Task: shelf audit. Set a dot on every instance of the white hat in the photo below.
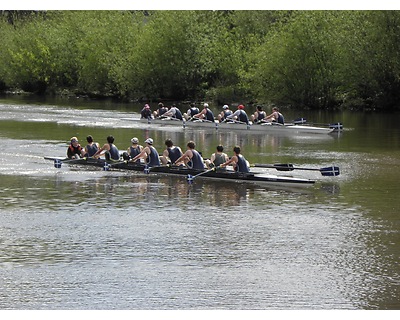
(205, 105)
(225, 106)
(135, 140)
(149, 141)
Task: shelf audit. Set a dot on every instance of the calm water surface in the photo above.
(82, 238)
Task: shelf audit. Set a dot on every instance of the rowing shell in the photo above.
(267, 127)
(259, 179)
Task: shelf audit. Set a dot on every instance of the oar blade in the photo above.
(57, 163)
(190, 179)
(330, 171)
(284, 167)
(337, 126)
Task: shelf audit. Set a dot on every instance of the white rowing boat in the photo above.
(266, 127)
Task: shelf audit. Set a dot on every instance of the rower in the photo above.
(239, 115)
(193, 110)
(217, 158)
(91, 148)
(205, 114)
(258, 115)
(174, 113)
(149, 153)
(191, 158)
(238, 162)
(171, 153)
(133, 150)
(224, 113)
(111, 151)
(275, 116)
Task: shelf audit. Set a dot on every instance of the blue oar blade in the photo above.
(330, 171)
(300, 121)
(190, 179)
(57, 163)
(337, 126)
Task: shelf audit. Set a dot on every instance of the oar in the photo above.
(190, 178)
(328, 171)
(337, 126)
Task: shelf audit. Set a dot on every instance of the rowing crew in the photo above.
(206, 114)
(136, 153)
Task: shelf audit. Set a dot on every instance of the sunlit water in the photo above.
(83, 238)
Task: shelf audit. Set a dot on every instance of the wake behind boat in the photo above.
(232, 176)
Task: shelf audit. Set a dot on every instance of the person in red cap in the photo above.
(239, 115)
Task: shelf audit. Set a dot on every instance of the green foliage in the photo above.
(313, 59)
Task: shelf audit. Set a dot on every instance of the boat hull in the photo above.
(238, 177)
(263, 127)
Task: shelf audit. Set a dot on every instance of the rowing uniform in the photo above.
(177, 114)
(261, 115)
(197, 161)
(218, 160)
(241, 165)
(192, 111)
(209, 115)
(133, 152)
(281, 119)
(242, 117)
(227, 113)
(91, 150)
(113, 153)
(174, 154)
(153, 159)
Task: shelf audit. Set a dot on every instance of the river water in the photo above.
(83, 238)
